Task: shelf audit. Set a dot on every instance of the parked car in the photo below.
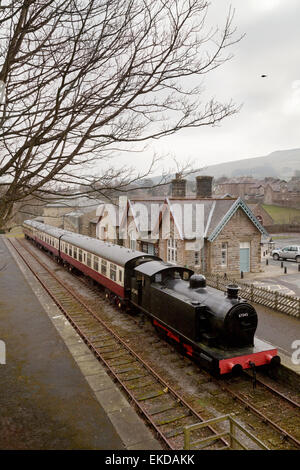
(288, 252)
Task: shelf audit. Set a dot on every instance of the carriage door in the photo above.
(245, 257)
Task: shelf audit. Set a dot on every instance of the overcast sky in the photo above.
(270, 117)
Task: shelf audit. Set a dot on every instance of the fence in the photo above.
(288, 304)
(234, 442)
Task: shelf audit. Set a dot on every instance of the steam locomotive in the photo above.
(215, 329)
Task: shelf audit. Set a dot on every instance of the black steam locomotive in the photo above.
(216, 329)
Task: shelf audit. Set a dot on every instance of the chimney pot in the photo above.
(204, 186)
(178, 186)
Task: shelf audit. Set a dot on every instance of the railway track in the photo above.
(165, 410)
(269, 404)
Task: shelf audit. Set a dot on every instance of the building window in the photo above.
(113, 272)
(96, 263)
(148, 248)
(103, 267)
(224, 254)
(197, 258)
(89, 259)
(172, 250)
(132, 241)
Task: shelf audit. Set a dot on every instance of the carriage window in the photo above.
(75, 253)
(96, 263)
(66, 248)
(158, 277)
(120, 276)
(113, 272)
(80, 255)
(89, 260)
(70, 250)
(103, 267)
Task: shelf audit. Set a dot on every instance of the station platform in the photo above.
(54, 393)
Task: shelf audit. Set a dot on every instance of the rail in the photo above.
(234, 441)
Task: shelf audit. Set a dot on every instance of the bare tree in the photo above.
(87, 78)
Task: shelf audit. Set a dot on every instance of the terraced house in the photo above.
(224, 236)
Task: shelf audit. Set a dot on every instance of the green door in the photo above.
(245, 257)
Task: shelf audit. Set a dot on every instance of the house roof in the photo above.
(216, 213)
(140, 210)
(84, 203)
(238, 204)
(74, 214)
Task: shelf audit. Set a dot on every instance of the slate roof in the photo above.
(83, 202)
(216, 213)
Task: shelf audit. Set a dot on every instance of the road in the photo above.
(276, 279)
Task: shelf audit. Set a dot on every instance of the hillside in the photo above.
(281, 164)
(283, 215)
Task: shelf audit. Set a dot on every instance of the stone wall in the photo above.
(54, 215)
(85, 223)
(239, 229)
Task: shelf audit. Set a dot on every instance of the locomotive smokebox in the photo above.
(233, 291)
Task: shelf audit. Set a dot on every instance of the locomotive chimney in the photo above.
(178, 186)
(233, 291)
(204, 186)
